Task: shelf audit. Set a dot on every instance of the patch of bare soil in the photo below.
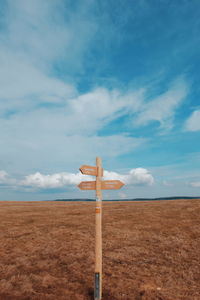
(151, 250)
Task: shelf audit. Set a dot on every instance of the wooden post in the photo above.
(98, 238)
(98, 185)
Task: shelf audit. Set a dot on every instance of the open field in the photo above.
(151, 250)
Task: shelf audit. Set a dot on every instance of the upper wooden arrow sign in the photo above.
(87, 185)
(89, 170)
(111, 184)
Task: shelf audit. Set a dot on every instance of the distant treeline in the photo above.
(135, 199)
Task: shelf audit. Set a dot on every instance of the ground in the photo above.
(151, 250)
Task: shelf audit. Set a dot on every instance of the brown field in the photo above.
(151, 250)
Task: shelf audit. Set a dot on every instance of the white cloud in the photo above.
(44, 31)
(163, 108)
(6, 180)
(193, 122)
(122, 195)
(91, 111)
(84, 114)
(195, 184)
(3, 176)
(138, 176)
(53, 181)
(33, 137)
(23, 85)
(167, 183)
(36, 37)
(35, 144)
(43, 118)
(46, 124)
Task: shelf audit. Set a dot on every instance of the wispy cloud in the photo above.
(95, 109)
(163, 108)
(3, 176)
(193, 122)
(45, 31)
(35, 38)
(6, 180)
(195, 184)
(167, 183)
(23, 86)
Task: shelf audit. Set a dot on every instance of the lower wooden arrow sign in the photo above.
(105, 185)
(111, 184)
(87, 185)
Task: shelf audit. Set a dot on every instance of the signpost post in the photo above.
(98, 185)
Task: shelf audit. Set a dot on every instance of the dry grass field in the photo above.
(151, 250)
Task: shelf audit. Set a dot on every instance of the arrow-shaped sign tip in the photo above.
(81, 169)
(122, 184)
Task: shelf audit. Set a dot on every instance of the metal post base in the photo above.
(97, 295)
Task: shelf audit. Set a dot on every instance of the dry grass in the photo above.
(151, 250)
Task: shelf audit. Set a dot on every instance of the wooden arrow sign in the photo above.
(89, 170)
(105, 185)
(111, 184)
(87, 185)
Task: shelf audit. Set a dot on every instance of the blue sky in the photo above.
(116, 79)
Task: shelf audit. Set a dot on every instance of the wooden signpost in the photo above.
(98, 185)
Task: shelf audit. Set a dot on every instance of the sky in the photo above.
(117, 79)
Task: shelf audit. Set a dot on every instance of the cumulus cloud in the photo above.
(138, 176)
(53, 181)
(193, 122)
(163, 108)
